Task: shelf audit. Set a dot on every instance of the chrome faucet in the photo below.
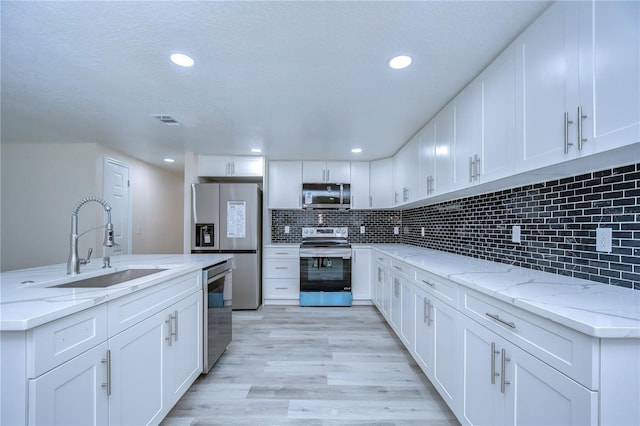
(74, 262)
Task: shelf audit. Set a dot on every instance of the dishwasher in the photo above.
(217, 312)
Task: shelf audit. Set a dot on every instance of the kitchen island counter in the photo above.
(27, 299)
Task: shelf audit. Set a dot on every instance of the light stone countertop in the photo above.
(596, 309)
(27, 305)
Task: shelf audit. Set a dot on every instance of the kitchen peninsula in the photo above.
(122, 354)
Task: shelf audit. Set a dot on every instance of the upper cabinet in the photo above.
(360, 196)
(406, 172)
(285, 184)
(227, 166)
(326, 171)
(380, 186)
(577, 86)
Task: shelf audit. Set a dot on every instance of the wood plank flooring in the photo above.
(312, 366)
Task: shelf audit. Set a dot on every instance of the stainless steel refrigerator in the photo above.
(227, 218)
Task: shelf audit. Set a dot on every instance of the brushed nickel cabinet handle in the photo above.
(107, 361)
(567, 144)
(581, 117)
(503, 366)
(493, 363)
(497, 318)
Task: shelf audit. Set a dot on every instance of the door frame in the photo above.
(129, 217)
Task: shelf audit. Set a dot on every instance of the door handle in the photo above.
(503, 366)
(567, 144)
(493, 363)
(107, 361)
(581, 117)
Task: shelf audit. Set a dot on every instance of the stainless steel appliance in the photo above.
(227, 218)
(217, 282)
(326, 195)
(325, 267)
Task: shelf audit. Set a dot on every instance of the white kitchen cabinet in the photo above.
(383, 284)
(502, 384)
(485, 124)
(183, 352)
(361, 275)
(72, 393)
(326, 171)
(380, 186)
(281, 275)
(427, 156)
(443, 149)
(137, 373)
(360, 196)
(230, 166)
(406, 172)
(609, 69)
(578, 58)
(395, 308)
(285, 185)
(407, 314)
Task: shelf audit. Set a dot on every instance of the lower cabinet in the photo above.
(281, 276)
(72, 393)
(361, 275)
(133, 377)
(502, 384)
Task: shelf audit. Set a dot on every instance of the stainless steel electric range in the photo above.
(325, 267)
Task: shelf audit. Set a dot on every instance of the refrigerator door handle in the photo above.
(193, 203)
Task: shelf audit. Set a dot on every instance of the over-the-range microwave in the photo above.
(326, 195)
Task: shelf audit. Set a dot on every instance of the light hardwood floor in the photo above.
(312, 366)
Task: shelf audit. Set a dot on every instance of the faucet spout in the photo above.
(74, 261)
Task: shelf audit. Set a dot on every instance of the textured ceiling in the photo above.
(300, 79)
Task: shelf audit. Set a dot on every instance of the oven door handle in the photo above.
(326, 255)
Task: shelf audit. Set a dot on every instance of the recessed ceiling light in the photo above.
(356, 150)
(256, 150)
(169, 160)
(400, 62)
(182, 60)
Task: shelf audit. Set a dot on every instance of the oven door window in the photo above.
(325, 274)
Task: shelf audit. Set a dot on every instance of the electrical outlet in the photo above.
(396, 230)
(515, 234)
(286, 229)
(422, 231)
(362, 229)
(603, 239)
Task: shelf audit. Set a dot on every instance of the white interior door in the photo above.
(116, 193)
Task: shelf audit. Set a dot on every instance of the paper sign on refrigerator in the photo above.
(236, 219)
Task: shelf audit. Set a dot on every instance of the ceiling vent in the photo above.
(166, 119)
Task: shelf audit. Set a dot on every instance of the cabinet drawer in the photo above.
(53, 343)
(281, 289)
(446, 290)
(130, 310)
(402, 269)
(569, 351)
(282, 268)
(382, 260)
(281, 252)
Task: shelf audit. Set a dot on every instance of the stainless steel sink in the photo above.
(110, 279)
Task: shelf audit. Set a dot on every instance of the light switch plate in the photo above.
(603, 239)
(396, 230)
(362, 229)
(286, 229)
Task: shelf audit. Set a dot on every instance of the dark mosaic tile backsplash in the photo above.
(558, 221)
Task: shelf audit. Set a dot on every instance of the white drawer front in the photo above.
(130, 310)
(440, 287)
(567, 350)
(381, 259)
(281, 289)
(51, 344)
(282, 268)
(287, 252)
(402, 269)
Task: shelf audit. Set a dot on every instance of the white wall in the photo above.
(40, 185)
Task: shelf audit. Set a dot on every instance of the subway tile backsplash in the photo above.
(558, 221)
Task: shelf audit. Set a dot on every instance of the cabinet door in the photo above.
(247, 166)
(537, 394)
(380, 186)
(314, 171)
(445, 359)
(72, 393)
(468, 134)
(137, 374)
(360, 197)
(424, 341)
(427, 155)
(609, 70)
(183, 356)
(385, 298)
(406, 172)
(395, 311)
(407, 314)
(214, 165)
(361, 274)
(546, 87)
(480, 402)
(338, 172)
(497, 159)
(285, 184)
(443, 150)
